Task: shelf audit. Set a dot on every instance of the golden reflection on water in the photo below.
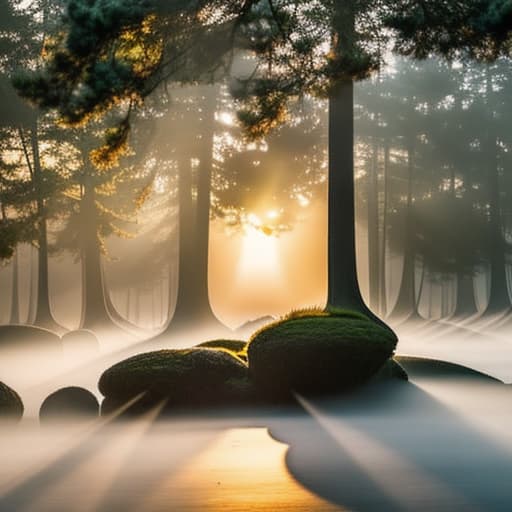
(242, 470)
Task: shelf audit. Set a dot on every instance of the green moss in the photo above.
(186, 377)
(237, 346)
(318, 352)
(11, 406)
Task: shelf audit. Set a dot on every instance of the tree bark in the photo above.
(193, 307)
(383, 302)
(405, 305)
(14, 317)
(43, 315)
(373, 231)
(94, 309)
(499, 300)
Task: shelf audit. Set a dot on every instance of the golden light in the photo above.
(259, 255)
(226, 118)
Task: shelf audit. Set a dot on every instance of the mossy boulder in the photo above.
(233, 345)
(319, 352)
(72, 402)
(238, 347)
(11, 406)
(180, 378)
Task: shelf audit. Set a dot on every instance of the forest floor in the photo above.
(435, 443)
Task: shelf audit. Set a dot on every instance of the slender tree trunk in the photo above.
(15, 300)
(43, 315)
(32, 294)
(405, 306)
(499, 300)
(373, 231)
(383, 248)
(94, 309)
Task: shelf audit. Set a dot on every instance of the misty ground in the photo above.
(436, 443)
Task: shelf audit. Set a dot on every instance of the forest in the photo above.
(281, 228)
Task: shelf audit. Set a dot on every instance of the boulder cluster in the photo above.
(307, 352)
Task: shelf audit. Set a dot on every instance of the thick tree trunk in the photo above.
(193, 308)
(94, 309)
(343, 290)
(405, 305)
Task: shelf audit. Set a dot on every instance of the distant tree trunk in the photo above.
(43, 315)
(383, 248)
(14, 317)
(32, 288)
(465, 301)
(373, 231)
(94, 309)
(499, 300)
(193, 308)
(405, 306)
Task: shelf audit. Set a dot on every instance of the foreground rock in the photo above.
(177, 378)
(424, 367)
(11, 406)
(238, 347)
(71, 403)
(318, 352)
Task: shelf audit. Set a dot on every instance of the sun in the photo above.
(259, 255)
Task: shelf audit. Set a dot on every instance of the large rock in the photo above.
(233, 345)
(69, 403)
(28, 337)
(237, 347)
(180, 378)
(11, 406)
(318, 352)
(424, 367)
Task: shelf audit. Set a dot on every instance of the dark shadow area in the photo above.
(395, 448)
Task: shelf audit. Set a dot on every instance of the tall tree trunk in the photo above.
(342, 283)
(405, 305)
(383, 302)
(192, 301)
(343, 286)
(15, 300)
(499, 300)
(43, 315)
(94, 309)
(32, 293)
(373, 231)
